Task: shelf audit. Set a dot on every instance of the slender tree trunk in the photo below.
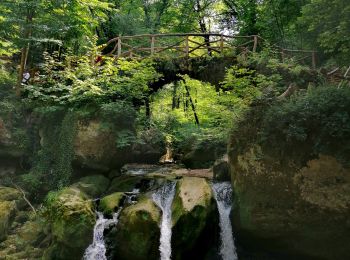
(148, 109)
(174, 102)
(203, 26)
(24, 53)
(192, 105)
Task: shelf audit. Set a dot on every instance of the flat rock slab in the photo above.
(165, 171)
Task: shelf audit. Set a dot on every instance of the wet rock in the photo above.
(221, 169)
(109, 203)
(192, 211)
(123, 184)
(202, 154)
(151, 148)
(137, 234)
(72, 218)
(93, 185)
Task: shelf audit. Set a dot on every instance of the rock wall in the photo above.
(299, 212)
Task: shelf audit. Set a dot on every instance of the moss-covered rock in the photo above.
(72, 219)
(292, 210)
(192, 210)
(11, 194)
(9, 148)
(26, 242)
(7, 213)
(109, 203)
(137, 234)
(93, 185)
(124, 183)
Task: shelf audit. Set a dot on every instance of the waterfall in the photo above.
(163, 198)
(97, 250)
(223, 196)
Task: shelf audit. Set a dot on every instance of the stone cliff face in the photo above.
(285, 208)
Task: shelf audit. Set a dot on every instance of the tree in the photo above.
(328, 27)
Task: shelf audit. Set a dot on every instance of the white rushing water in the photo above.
(163, 198)
(223, 196)
(97, 250)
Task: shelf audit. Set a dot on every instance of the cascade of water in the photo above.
(97, 250)
(163, 198)
(223, 196)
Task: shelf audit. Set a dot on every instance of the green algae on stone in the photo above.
(137, 234)
(7, 213)
(72, 220)
(109, 203)
(192, 208)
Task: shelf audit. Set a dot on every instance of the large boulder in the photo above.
(95, 146)
(291, 210)
(7, 213)
(137, 234)
(108, 204)
(93, 185)
(10, 201)
(193, 210)
(100, 146)
(26, 242)
(72, 218)
(221, 169)
(202, 153)
(8, 144)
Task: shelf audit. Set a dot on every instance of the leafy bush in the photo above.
(307, 125)
(78, 81)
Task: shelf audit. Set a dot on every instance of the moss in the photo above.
(94, 185)
(191, 209)
(137, 235)
(123, 184)
(72, 220)
(109, 203)
(7, 212)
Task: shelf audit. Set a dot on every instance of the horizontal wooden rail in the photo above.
(192, 44)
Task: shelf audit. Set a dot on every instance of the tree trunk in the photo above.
(24, 53)
(192, 105)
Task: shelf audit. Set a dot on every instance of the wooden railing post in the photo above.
(152, 44)
(221, 44)
(313, 56)
(187, 46)
(255, 43)
(119, 47)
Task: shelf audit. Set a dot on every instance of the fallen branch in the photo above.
(333, 71)
(24, 197)
(346, 73)
(292, 88)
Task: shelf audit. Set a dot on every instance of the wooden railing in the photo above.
(194, 45)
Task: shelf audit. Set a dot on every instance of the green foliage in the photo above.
(244, 83)
(328, 26)
(85, 82)
(278, 75)
(52, 158)
(311, 124)
(119, 118)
